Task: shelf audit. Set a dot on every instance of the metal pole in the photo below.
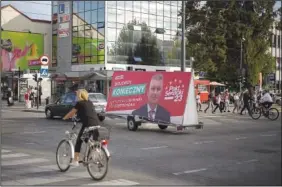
(183, 38)
(19, 75)
(280, 65)
(241, 61)
(37, 92)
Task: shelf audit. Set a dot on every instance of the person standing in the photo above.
(199, 104)
(236, 102)
(226, 101)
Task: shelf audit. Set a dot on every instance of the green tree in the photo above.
(136, 43)
(215, 32)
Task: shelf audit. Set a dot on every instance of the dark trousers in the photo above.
(79, 141)
(216, 107)
(210, 103)
(246, 106)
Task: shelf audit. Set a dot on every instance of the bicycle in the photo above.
(96, 152)
(267, 112)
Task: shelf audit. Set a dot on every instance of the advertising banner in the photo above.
(21, 50)
(155, 96)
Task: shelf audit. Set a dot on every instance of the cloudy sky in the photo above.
(42, 9)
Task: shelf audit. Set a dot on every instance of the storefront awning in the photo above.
(95, 76)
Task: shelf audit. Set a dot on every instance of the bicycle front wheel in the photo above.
(97, 160)
(256, 113)
(273, 114)
(63, 155)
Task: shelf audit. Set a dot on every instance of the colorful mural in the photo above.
(20, 50)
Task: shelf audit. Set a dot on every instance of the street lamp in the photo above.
(183, 38)
(241, 62)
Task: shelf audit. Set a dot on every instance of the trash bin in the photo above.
(47, 100)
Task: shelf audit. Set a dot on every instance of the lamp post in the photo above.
(241, 63)
(183, 38)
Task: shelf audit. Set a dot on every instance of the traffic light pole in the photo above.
(241, 61)
(37, 94)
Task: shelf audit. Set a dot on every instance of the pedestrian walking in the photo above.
(216, 103)
(246, 100)
(210, 102)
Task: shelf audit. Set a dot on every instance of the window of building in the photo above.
(94, 5)
(87, 5)
(81, 6)
(101, 4)
(121, 5)
(101, 15)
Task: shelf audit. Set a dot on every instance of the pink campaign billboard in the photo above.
(155, 96)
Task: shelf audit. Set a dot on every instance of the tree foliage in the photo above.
(216, 30)
(135, 43)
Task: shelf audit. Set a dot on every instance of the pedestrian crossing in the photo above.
(25, 169)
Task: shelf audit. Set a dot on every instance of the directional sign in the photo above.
(43, 72)
(44, 60)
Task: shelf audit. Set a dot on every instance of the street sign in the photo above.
(44, 60)
(61, 8)
(43, 72)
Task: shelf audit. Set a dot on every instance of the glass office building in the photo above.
(124, 32)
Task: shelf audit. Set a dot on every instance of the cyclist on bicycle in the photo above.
(86, 113)
(266, 100)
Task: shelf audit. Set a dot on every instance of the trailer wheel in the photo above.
(163, 127)
(131, 124)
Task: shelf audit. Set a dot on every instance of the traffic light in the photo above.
(40, 79)
(35, 78)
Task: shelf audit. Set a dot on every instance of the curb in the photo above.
(35, 111)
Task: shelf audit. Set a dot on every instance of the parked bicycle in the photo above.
(270, 113)
(96, 152)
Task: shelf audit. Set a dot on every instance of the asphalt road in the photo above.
(230, 150)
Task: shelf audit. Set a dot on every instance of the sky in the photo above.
(42, 9)
(33, 9)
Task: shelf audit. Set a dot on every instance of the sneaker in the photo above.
(74, 163)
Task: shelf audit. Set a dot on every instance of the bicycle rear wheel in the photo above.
(273, 114)
(99, 160)
(256, 113)
(65, 157)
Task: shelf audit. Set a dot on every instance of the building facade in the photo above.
(24, 40)
(276, 50)
(116, 35)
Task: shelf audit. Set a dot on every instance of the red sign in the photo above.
(156, 96)
(34, 62)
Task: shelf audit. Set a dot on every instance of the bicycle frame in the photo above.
(88, 145)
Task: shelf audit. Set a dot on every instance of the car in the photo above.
(277, 99)
(66, 102)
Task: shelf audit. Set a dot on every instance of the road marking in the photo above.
(247, 161)
(16, 155)
(122, 182)
(30, 143)
(241, 138)
(24, 161)
(265, 135)
(36, 132)
(203, 142)
(190, 171)
(5, 151)
(148, 148)
(59, 177)
(120, 123)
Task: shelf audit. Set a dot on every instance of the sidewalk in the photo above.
(41, 109)
(21, 106)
